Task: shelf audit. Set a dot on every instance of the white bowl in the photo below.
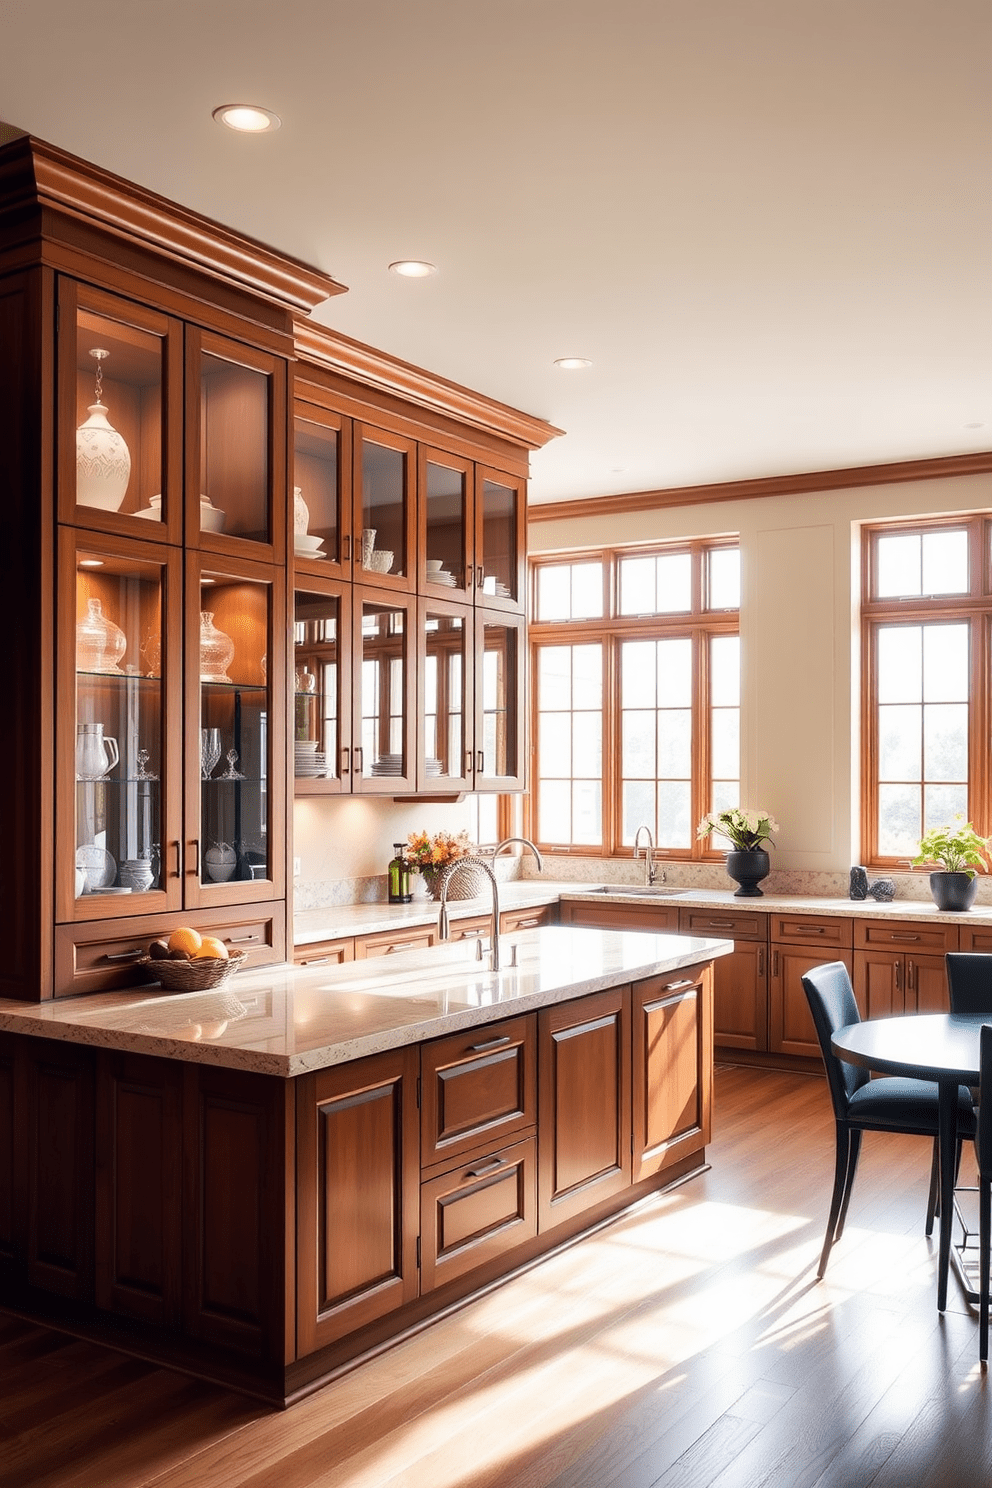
(380, 562)
(305, 542)
(435, 565)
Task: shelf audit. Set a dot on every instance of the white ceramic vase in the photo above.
(301, 513)
(103, 462)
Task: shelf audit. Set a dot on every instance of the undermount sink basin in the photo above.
(647, 891)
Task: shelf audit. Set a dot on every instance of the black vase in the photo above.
(954, 891)
(748, 869)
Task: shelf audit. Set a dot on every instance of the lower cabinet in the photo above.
(358, 1181)
(584, 1103)
(740, 980)
(899, 966)
(797, 943)
(476, 1212)
(672, 1069)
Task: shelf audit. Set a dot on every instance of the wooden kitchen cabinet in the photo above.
(325, 953)
(512, 920)
(584, 1148)
(388, 942)
(478, 1088)
(672, 1023)
(798, 942)
(740, 980)
(656, 918)
(475, 1213)
(358, 1188)
(899, 966)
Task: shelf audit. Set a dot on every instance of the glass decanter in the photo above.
(216, 650)
(100, 643)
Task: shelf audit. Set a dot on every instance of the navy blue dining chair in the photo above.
(889, 1103)
(983, 1152)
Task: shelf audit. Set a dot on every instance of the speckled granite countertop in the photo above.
(347, 920)
(285, 1021)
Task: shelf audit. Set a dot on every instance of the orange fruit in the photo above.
(212, 947)
(185, 939)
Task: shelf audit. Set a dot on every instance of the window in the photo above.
(927, 681)
(636, 696)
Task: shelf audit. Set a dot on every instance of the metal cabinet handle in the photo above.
(179, 859)
(910, 977)
(497, 1162)
(761, 961)
(316, 961)
(905, 936)
(719, 924)
(345, 760)
(774, 963)
(358, 759)
(479, 761)
(677, 986)
(898, 969)
(493, 1043)
(242, 939)
(468, 761)
(131, 955)
(346, 549)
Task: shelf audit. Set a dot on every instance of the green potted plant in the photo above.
(747, 831)
(959, 850)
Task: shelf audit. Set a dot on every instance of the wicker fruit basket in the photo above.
(198, 975)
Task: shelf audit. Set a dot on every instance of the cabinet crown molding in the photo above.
(329, 349)
(35, 174)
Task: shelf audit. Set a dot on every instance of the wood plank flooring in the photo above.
(687, 1344)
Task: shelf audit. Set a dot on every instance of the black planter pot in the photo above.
(954, 891)
(748, 869)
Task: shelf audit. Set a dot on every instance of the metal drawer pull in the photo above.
(125, 955)
(243, 939)
(719, 924)
(493, 1043)
(895, 935)
(677, 986)
(317, 961)
(497, 1162)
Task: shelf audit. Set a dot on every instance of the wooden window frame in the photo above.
(611, 630)
(973, 608)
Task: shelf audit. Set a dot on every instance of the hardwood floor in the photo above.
(688, 1343)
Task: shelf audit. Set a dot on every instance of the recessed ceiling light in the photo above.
(247, 118)
(978, 424)
(572, 364)
(412, 268)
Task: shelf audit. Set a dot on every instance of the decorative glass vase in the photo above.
(216, 650)
(100, 643)
(103, 462)
(748, 868)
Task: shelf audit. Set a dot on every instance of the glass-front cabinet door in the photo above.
(383, 738)
(235, 843)
(446, 511)
(500, 651)
(120, 415)
(445, 717)
(500, 540)
(118, 818)
(321, 759)
(385, 526)
(236, 449)
(321, 513)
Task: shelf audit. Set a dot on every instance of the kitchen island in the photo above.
(265, 1183)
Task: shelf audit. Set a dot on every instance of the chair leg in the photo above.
(837, 1197)
(852, 1168)
(984, 1229)
(933, 1201)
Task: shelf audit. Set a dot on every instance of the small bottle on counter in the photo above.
(398, 876)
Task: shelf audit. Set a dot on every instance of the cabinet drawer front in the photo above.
(525, 919)
(388, 945)
(904, 935)
(325, 953)
(477, 1212)
(101, 956)
(803, 929)
(477, 1085)
(469, 929)
(728, 923)
(657, 919)
(975, 937)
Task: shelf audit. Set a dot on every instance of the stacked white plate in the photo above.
(432, 766)
(312, 767)
(307, 546)
(388, 764)
(443, 577)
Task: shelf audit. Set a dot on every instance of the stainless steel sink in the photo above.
(646, 891)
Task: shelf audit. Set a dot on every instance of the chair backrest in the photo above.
(983, 1135)
(831, 1001)
(969, 981)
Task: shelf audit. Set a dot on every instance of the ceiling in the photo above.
(768, 223)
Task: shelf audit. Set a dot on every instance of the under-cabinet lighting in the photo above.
(413, 268)
(246, 118)
(91, 562)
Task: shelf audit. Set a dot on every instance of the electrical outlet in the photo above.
(296, 867)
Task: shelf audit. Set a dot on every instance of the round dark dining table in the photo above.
(943, 1047)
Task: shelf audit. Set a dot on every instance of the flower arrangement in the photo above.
(957, 848)
(747, 830)
(430, 854)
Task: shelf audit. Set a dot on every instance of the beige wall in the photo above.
(799, 654)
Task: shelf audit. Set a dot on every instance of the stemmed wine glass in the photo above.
(231, 773)
(209, 751)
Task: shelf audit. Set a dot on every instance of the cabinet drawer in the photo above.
(526, 919)
(477, 1212)
(467, 929)
(904, 935)
(975, 937)
(100, 957)
(476, 1086)
(389, 942)
(730, 924)
(325, 953)
(832, 932)
(657, 919)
